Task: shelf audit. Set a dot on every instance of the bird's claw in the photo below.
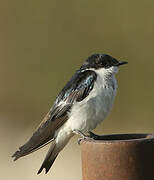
(91, 136)
(84, 138)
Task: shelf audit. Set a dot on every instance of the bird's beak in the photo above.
(121, 63)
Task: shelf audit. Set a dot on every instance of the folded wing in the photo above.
(76, 89)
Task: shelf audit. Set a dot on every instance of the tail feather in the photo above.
(47, 165)
(50, 158)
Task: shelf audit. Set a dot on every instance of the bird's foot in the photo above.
(83, 136)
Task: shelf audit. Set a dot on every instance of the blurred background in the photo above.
(42, 43)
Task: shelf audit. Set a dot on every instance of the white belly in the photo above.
(91, 111)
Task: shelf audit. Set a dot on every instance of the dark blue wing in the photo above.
(76, 89)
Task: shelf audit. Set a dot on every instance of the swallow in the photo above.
(81, 105)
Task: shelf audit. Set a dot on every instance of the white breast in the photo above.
(85, 115)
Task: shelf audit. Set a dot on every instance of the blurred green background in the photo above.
(42, 43)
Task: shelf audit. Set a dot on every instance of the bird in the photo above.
(81, 105)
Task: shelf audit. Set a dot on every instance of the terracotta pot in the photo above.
(118, 157)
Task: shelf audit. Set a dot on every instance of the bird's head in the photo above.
(103, 62)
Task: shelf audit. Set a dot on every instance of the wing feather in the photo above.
(76, 89)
